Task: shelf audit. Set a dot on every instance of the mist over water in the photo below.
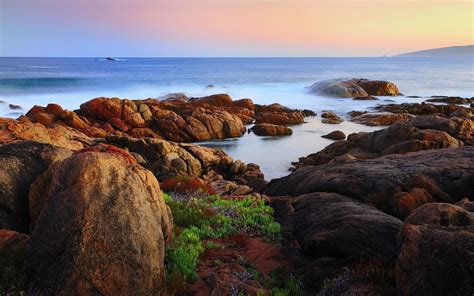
(72, 81)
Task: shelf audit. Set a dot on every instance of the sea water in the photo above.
(72, 81)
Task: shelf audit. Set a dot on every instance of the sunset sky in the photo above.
(230, 27)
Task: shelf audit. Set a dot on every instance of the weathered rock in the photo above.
(14, 107)
(105, 224)
(20, 164)
(436, 255)
(335, 135)
(378, 87)
(420, 109)
(168, 160)
(460, 128)
(23, 129)
(352, 88)
(266, 129)
(447, 175)
(378, 119)
(334, 231)
(396, 139)
(450, 100)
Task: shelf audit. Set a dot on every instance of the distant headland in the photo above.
(452, 51)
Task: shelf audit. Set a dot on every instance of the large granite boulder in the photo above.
(20, 164)
(436, 257)
(352, 88)
(102, 228)
(446, 174)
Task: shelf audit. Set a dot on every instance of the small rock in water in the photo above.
(335, 135)
(14, 107)
(366, 98)
(210, 86)
(331, 118)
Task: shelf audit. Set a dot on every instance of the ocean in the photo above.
(72, 81)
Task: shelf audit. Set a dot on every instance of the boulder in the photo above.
(335, 135)
(447, 175)
(219, 100)
(378, 87)
(266, 129)
(354, 88)
(105, 224)
(436, 255)
(340, 88)
(334, 232)
(20, 164)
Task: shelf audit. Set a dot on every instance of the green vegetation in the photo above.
(210, 217)
(12, 272)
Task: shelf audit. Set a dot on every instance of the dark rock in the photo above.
(333, 232)
(446, 174)
(20, 165)
(367, 98)
(436, 255)
(14, 107)
(450, 100)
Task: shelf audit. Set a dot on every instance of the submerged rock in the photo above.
(105, 224)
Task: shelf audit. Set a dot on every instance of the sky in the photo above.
(216, 28)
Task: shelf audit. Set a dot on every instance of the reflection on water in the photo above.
(275, 154)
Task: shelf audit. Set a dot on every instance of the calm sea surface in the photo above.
(72, 81)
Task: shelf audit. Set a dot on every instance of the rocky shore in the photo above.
(114, 198)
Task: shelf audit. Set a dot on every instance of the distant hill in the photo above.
(452, 51)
